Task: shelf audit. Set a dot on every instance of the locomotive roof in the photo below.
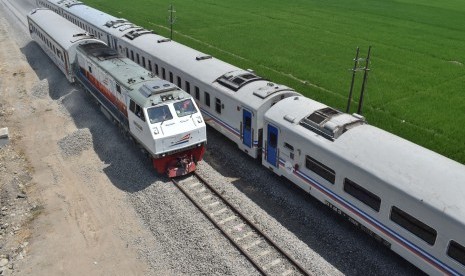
(419, 172)
(202, 67)
(64, 32)
(144, 88)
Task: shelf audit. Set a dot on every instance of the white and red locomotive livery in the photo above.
(160, 117)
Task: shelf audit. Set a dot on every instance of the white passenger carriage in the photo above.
(59, 41)
(410, 197)
(232, 100)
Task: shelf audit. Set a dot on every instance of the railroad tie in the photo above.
(253, 244)
(219, 212)
(273, 263)
(227, 219)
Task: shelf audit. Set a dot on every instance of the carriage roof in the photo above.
(417, 171)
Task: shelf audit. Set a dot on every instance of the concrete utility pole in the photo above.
(171, 19)
(365, 77)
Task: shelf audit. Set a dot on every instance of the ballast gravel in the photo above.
(75, 143)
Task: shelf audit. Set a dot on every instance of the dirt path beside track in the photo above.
(60, 213)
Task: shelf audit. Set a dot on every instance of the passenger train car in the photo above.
(232, 100)
(405, 196)
(161, 117)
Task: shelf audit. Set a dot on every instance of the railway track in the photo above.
(263, 253)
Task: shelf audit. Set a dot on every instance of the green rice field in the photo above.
(416, 86)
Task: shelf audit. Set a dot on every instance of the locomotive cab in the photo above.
(167, 120)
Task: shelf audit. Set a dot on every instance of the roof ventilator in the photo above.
(203, 57)
(330, 123)
(236, 79)
(164, 40)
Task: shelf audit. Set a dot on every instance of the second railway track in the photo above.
(259, 248)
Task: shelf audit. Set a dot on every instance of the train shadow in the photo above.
(328, 234)
(126, 167)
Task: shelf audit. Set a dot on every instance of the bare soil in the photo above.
(59, 215)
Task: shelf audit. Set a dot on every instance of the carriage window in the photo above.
(179, 82)
(362, 194)
(150, 65)
(156, 69)
(137, 56)
(289, 146)
(163, 73)
(413, 225)
(171, 77)
(457, 252)
(320, 169)
(188, 87)
(127, 53)
(218, 105)
(207, 99)
(90, 69)
(132, 55)
(273, 138)
(197, 93)
(118, 88)
(248, 124)
(143, 62)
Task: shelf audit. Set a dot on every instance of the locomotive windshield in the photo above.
(159, 114)
(184, 108)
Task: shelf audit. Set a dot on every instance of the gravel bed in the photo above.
(76, 142)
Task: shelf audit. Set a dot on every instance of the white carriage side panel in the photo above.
(53, 50)
(405, 243)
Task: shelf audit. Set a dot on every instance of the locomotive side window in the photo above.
(413, 225)
(207, 99)
(320, 169)
(137, 56)
(143, 62)
(127, 53)
(362, 194)
(132, 55)
(150, 65)
(457, 252)
(163, 73)
(171, 77)
(179, 81)
(218, 105)
(118, 88)
(156, 69)
(132, 106)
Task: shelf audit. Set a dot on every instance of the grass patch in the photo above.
(415, 88)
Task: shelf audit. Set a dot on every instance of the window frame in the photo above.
(406, 221)
(320, 169)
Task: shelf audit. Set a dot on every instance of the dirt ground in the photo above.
(56, 218)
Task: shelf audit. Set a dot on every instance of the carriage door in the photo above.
(247, 128)
(272, 146)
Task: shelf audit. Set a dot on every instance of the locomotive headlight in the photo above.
(155, 131)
